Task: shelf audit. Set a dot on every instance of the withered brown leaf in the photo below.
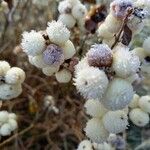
(127, 36)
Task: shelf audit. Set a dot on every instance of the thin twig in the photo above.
(117, 37)
(37, 118)
(16, 135)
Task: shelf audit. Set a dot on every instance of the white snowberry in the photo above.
(4, 67)
(3, 116)
(91, 82)
(134, 102)
(85, 145)
(79, 11)
(96, 131)
(63, 76)
(144, 103)
(13, 124)
(48, 71)
(139, 117)
(5, 129)
(15, 76)
(94, 108)
(115, 121)
(118, 95)
(57, 32)
(38, 61)
(8, 91)
(146, 45)
(67, 20)
(68, 49)
(32, 43)
(64, 7)
(125, 63)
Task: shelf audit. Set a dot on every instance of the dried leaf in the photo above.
(127, 36)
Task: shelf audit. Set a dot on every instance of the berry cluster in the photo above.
(104, 121)
(11, 80)
(113, 142)
(8, 123)
(122, 12)
(144, 54)
(72, 12)
(102, 77)
(139, 110)
(48, 50)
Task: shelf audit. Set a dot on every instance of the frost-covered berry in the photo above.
(85, 145)
(64, 7)
(125, 63)
(144, 103)
(115, 121)
(37, 61)
(94, 108)
(91, 82)
(119, 7)
(68, 49)
(5, 129)
(134, 102)
(15, 76)
(48, 71)
(53, 55)
(8, 91)
(4, 116)
(146, 45)
(96, 131)
(57, 32)
(63, 76)
(139, 117)
(67, 20)
(118, 95)
(32, 43)
(100, 55)
(79, 11)
(83, 63)
(4, 67)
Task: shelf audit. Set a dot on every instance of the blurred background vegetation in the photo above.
(40, 129)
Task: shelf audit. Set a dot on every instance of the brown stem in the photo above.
(16, 135)
(125, 20)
